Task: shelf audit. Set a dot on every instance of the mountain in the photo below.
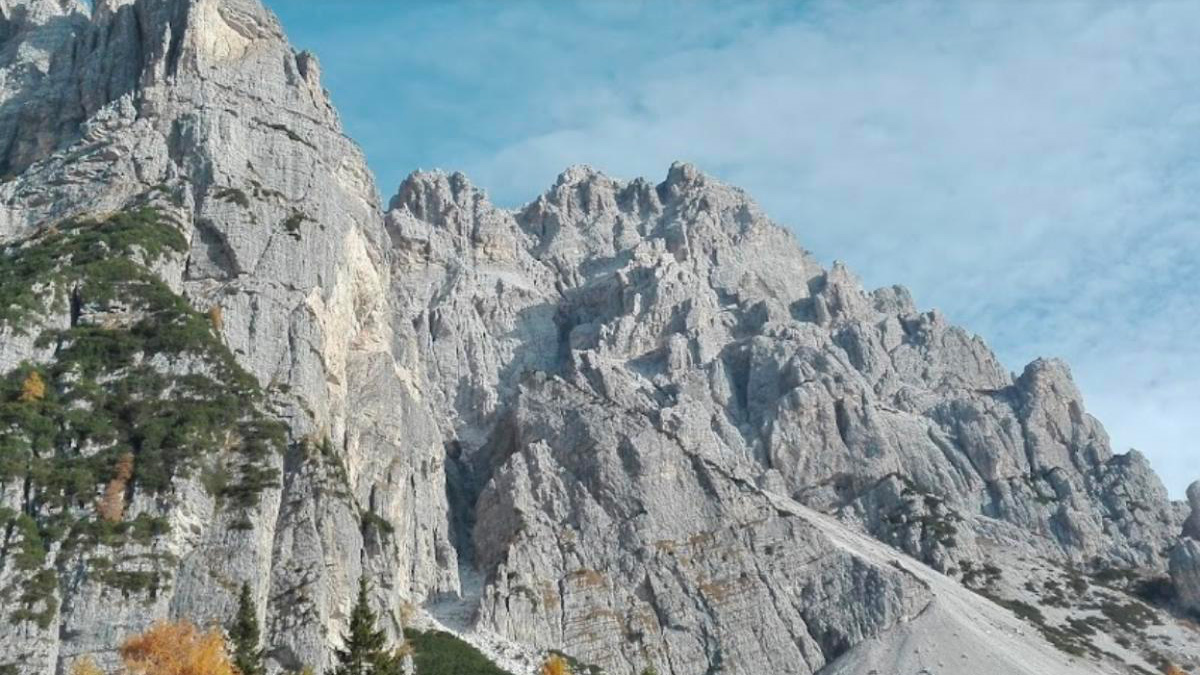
(633, 422)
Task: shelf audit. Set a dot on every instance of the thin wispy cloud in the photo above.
(1029, 168)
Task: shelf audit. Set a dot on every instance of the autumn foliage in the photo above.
(1174, 670)
(112, 504)
(85, 666)
(556, 665)
(34, 388)
(177, 649)
(216, 317)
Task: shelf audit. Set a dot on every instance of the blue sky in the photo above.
(1032, 169)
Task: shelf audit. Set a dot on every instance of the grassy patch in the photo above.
(287, 131)
(1074, 638)
(440, 653)
(376, 525)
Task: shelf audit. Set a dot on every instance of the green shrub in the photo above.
(1159, 591)
(105, 392)
(576, 666)
(37, 602)
(1133, 616)
(39, 270)
(234, 196)
(373, 522)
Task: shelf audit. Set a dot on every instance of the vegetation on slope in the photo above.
(440, 653)
(139, 391)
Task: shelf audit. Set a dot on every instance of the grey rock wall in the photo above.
(609, 344)
(203, 105)
(1185, 557)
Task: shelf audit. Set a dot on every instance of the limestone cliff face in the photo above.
(653, 425)
(201, 108)
(628, 367)
(682, 305)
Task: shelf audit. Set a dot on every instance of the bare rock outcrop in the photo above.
(635, 345)
(1185, 557)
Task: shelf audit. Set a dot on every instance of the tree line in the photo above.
(181, 648)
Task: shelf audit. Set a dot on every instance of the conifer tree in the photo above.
(245, 635)
(365, 651)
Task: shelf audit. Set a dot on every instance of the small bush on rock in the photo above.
(556, 665)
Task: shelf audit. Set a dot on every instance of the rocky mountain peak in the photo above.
(429, 195)
(1185, 556)
(683, 178)
(581, 173)
(1191, 527)
(154, 70)
(633, 421)
(1049, 377)
(34, 12)
(442, 215)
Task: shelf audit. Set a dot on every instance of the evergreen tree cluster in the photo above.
(365, 650)
(245, 636)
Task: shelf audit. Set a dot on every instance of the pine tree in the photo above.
(365, 651)
(244, 635)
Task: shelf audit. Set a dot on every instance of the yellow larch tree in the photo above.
(84, 665)
(177, 648)
(112, 504)
(556, 665)
(33, 388)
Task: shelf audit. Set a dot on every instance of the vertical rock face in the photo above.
(1191, 526)
(201, 107)
(36, 40)
(1185, 557)
(640, 411)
